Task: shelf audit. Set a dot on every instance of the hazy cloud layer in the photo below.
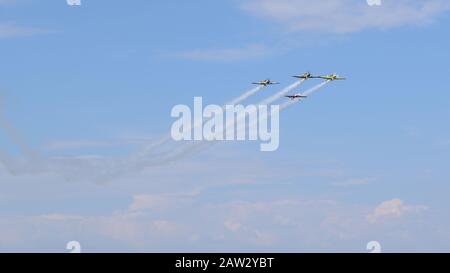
(343, 16)
(150, 224)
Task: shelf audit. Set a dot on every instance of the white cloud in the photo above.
(147, 201)
(11, 30)
(60, 217)
(161, 201)
(343, 16)
(130, 227)
(232, 226)
(165, 226)
(278, 225)
(392, 208)
(228, 54)
(353, 182)
(166, 214)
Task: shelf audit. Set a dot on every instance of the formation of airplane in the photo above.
(266, 82)
(305, 76)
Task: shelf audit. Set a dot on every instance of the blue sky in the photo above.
(361, 160)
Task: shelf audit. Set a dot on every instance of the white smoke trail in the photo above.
(266, 101)
(197, 146)
(245, 96)
(289, 103)
(13, 135)
(104, 169)
(114, 168)
(15, 166)
(249, 93)
(8, 163)
(282, 93)
(147, 159)
(282, 107)
(187, 149)
(315, 88)
(151, 147)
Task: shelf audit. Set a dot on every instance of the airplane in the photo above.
(332, 77)
(296, 96)
(266, 82)
(306, 76)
